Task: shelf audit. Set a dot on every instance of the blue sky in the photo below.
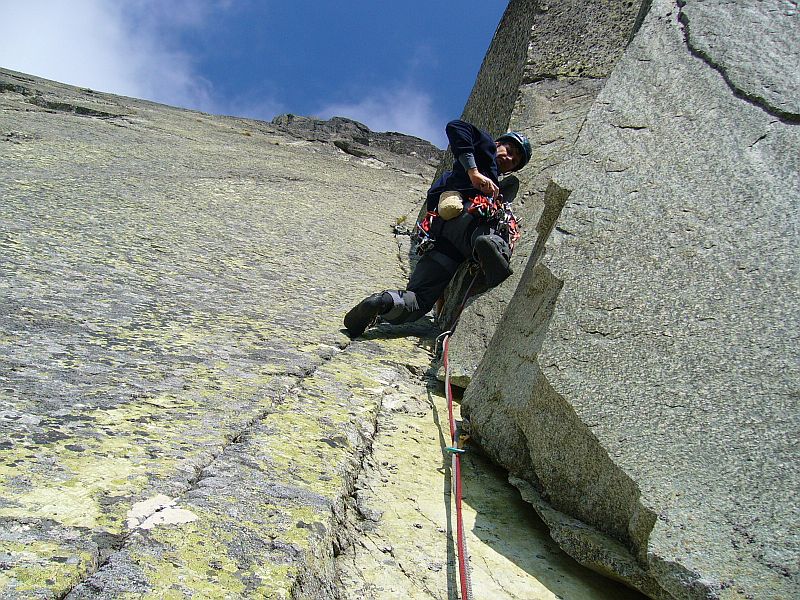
(396, 66)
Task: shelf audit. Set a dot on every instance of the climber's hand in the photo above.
(483, 184)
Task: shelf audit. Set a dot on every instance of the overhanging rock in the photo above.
(641, 386)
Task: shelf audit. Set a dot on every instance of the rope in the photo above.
(456, 452)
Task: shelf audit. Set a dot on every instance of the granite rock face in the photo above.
(753, 45)
(181, 415)
(563, 54)
(641, 386)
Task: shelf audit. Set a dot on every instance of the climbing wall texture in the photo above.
(641, 384)
(179, 415)
(182, 416)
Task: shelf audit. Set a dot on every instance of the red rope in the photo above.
(461, 544)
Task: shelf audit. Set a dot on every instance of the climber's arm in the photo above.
(463, 137)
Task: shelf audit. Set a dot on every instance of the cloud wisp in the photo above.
(134, 48)
(109, 46)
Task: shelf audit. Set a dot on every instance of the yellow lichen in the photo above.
(32, 567)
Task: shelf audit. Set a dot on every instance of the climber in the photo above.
(466, 219)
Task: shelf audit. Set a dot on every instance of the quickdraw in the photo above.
(425, 239)
(499, 213)
(484, 206)
(508, 226)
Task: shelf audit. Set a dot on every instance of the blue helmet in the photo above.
(521, 141)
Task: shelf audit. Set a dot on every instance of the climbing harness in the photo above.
(494, 211)
(455, 452)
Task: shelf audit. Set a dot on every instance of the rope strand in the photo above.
(461, 544)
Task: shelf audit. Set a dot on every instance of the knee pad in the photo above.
(403, 301)
(501, 247)
(494, 255)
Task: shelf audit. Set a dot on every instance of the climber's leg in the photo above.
(494, 256)
(431, 275)
(425, 286)
(364, 314)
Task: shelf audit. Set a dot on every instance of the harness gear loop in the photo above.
(424, 232)
(498, 213)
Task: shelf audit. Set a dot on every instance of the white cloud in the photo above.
(401, 109)
(108, 46)
(130, 48)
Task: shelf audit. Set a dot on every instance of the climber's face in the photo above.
(508, 156)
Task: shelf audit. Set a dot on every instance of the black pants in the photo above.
(436, 268)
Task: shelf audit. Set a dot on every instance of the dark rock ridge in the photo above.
(356, 138)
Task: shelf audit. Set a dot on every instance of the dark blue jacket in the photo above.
(465, 137)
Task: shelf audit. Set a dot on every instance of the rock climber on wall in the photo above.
(466, 218)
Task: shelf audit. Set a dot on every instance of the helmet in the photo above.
(521, 142)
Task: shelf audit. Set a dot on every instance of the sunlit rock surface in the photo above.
(548, 62)
(406, 516)
(171, 298)
(181, 414)
(641, 384)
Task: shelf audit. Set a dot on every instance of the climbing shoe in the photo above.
(365, 313)
(493, 255)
